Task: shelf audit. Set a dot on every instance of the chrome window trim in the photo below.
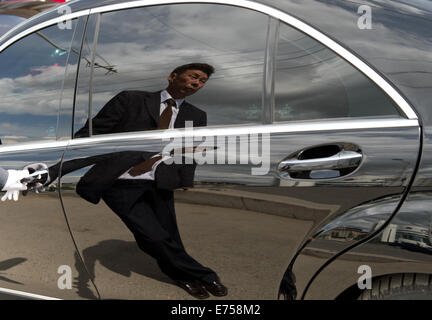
(235, 130)
(4, 36)
(270, 71)
(273, 12)
(24, 294)
(91, 83)
(37, 145)
(43, 25)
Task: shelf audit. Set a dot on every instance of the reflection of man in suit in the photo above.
(147, 210)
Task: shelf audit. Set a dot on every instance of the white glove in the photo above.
(13, 184)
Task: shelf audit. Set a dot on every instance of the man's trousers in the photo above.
(149, 214)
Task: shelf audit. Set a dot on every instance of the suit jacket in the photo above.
(138, 111)
(129, 111)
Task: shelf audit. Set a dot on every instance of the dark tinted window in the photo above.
(312, 82)
(138, 48)
(7, 22)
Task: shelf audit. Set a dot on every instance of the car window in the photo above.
(31, 75)
(312, 82)
(138, 48)
(8, 22)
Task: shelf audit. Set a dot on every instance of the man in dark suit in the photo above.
(136, 190)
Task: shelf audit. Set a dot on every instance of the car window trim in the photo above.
(91, 80)
(350, 57)
(34, 145)
(296, 23)
(268, 97)
(42, 25)
(232, 130)
(237, 130)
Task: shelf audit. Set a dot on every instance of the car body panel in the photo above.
(384, 254)
(253, 227)
(36, 243)
(239, 209)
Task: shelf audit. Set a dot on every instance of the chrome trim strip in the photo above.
(43, 25)
(305, 126)
(4, 36)
(38, 145)
(234, 130)
(26, 294)
(275, 13)
(270, 71)
(93, 59)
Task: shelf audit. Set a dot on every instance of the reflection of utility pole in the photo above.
(108, 67)
(430, 230)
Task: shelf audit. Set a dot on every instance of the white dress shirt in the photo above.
(175, 110)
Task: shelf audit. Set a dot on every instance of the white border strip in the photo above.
(26, 294)
(317, 35)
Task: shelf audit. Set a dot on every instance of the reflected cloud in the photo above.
(170, 37)
(400, 39)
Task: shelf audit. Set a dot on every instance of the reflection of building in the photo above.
(344, 234)
(406, 236)
(389, 233)
(25, 9)
(411, 235)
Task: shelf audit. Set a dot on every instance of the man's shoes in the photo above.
(194, 288)
(216, 288)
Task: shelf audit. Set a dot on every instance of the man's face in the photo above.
(186, 83)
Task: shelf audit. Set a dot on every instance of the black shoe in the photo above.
(216, 288)
(194, 288)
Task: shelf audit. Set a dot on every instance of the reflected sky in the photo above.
(31, 75)
(8, 22)
(142, 46)
(311, 81)
(399, 43)
(145, 52)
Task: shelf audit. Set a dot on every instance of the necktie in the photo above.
(165, 117)
(164, 121)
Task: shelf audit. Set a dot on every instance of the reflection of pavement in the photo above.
(34, 242)
(249, 250)
(280, 205)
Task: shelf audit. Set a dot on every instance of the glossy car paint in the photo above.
(228, 206)
(409, 28)
(37, 247)
(258, 214)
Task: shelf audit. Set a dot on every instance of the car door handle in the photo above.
(342, 160)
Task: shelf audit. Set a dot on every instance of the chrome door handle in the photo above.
(342, 160)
